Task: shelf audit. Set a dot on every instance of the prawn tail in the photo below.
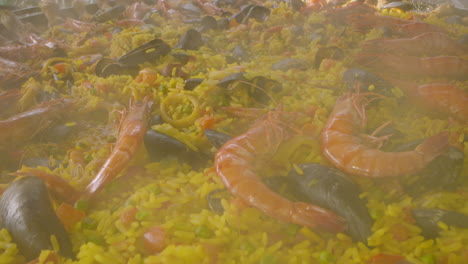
(434, 146)
(318, 218)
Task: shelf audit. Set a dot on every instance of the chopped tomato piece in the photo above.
(154, 239)
(385, 259)
(207, 122)
(60, 67)
(69, 215)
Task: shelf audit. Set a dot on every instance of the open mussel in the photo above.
(428, 219)
(160, 146)
(258, 88)
(147, 52)
(128, 63)
(443, 173)
(331, 189)
(27, 213)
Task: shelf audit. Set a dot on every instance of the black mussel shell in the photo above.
(104, 15)
(262, 87)
(428, 220)
(296, 5)
(443, 173)
(27, 213)
(191, 83)
(329, 188)
(230, 79)
(147, 52)
(217, 139)
(208, 23)
(290, 63)
(191, 40)
(160, 146)
(331, 52)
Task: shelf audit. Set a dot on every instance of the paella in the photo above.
(234, 132)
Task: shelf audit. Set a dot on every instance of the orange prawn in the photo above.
(24, 126)
(441, 97)
(131, 133)
(342, 146)
(235, 163)
(438, 67)
(431, 44)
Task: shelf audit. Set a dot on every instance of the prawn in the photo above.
(441, 97)
(131, 133)
(431, 43)
(24, 126)
(235, 162)
(348, 152)
(438, 67)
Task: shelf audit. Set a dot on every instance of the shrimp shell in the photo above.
(235, 164)
(348, 152)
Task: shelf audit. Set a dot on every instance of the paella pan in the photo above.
(234, 132)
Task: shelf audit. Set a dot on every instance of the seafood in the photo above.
(24, 126)
(344, 148)
(443, 173)
(131, 134)
(235, 163)
(217, 139)
(428, 219)
(159, 145)
(27, 213)
(13, 73)
(440, 97)
(429, 44)
(429, 67)
(335, 191)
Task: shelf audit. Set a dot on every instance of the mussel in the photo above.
(128, 63)
(191, 40)
(443, 173)
(428, 219)
(160, 146)
(331, 189)
(147, 52)
(217, 139)
(27, 213)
